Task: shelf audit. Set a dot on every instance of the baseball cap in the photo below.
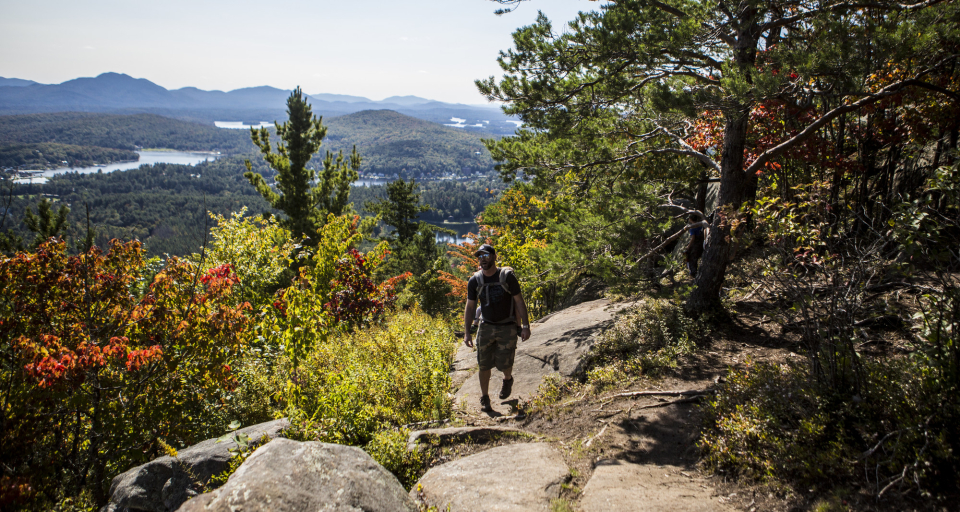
(485, 248)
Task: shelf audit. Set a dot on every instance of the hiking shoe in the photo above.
(485, 403)
(506, 389)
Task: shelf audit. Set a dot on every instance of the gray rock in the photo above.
(290, 476)
(557, 344)
(588, 289)
(457, 434)
(163, 484)
(517, 477)
(622, 486)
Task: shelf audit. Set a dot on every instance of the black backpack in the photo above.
(482, 286)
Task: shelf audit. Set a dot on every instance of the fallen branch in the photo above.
(592, 439)
(751, 293)
(607, 413)
(689, 392)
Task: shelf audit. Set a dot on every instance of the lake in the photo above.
(146, 158)
(462, 228)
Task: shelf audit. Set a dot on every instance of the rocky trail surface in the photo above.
(619, 450)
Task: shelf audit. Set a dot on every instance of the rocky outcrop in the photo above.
(290, 476)
(163, 484)
(516, 477)
(619, 485)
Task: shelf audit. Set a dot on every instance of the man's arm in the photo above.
(467, 320)
(522, 314)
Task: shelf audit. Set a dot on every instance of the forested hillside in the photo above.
(163, 205)
(121, 132)
(47, 155)
(390, 143)
(393, 143)
(458, 201)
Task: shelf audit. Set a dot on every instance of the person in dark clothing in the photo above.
(501, 305)
(694, 249)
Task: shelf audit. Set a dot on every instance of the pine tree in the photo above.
(303, 194)
(400, 209)
(45, 223)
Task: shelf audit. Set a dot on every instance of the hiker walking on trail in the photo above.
(498, 292)
(694, 249)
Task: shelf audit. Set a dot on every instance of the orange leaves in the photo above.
(138, 358)
(70, 317)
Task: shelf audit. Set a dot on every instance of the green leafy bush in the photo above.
(389, 448)
(776, 423)
(355, 384)
(647, 339)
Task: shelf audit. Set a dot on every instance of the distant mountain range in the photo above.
(120, 93)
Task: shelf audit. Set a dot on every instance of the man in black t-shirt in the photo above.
(502, 309)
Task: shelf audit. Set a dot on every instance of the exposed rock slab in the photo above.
(517, 477)
(627, 487)
(288, 476)
(557, 344)
(163, 484)
(457, 434)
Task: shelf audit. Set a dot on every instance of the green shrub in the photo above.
(355, 384)
(776, 423)
(389, 448)
(647, 339)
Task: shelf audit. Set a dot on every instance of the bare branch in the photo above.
(701, 224)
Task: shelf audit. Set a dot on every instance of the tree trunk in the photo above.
(735, 185)
(719, 250)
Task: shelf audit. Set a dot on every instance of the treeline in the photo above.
(163, 205)
(49, 155)
(449, 200)
(121, 132)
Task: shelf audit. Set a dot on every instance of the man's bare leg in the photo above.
(485, 382)
(485, 379)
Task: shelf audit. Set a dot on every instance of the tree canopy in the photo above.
(635, 84)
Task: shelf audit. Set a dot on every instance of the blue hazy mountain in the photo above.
(15, 82)
(120, 93)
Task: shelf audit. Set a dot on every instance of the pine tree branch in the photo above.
(782, 22)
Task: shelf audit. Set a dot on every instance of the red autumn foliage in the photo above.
(355, 299)
(85, 362)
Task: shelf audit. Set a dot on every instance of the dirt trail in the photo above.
(628, 453)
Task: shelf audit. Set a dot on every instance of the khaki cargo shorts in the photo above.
(496, 346)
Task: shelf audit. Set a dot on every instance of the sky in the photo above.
(371, 48)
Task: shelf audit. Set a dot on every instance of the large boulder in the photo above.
(290, 476)
(516, 477)
(163, 484)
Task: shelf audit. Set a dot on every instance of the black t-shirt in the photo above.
(495, 304)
